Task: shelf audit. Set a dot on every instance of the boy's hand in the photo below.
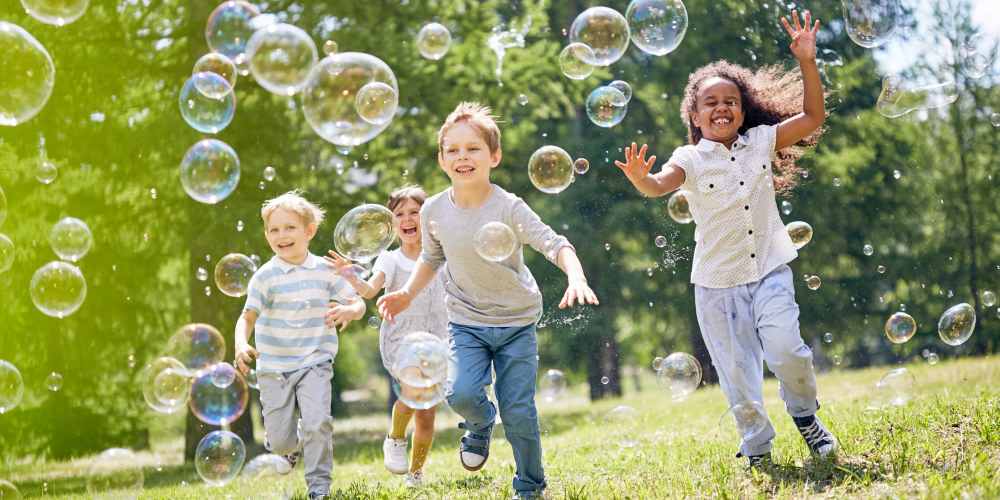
(391, 304)
(578, 292)
(636, 166)
(244, 356)
(340, 315)
(803, 44)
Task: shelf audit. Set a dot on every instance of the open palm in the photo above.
(803, 44)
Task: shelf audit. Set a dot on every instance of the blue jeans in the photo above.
(513, 352)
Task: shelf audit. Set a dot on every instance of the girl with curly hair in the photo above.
(743, 129)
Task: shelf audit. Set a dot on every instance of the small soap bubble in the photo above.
(207, 102)
(895, 388)
(605, 380)
(210, 171)
(53, 382)
(868, 250)
(223, 375)
(424, 368)
(678, 207)
(433, 41)
(239, 226)
(70, 239)
(166, 385)
(233, 273)
(814, 282)
(208, 291)
(522, 100)
(660, 241)
(214, 62)
(573, 61)
(786, 207)
(896, 174)
(880, 269)
(828, 338)
(606, 106)
(607, 247)
(495, 241)
(550, 169)
(900, 327)
(11, 386)
(624, 88)
(229, 28)
(989, 298)
(957, 324)
(374, 322)
(201, 274)
(329, 47)
(376, 103)
(581, 166)
(46, 172)
(58, 289)
(552, 386)
(657, 363)
(932, 359)
(995, 119)
(680, 373)
(269, 173)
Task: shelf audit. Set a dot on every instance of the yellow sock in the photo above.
(421, 447)
(401, 416)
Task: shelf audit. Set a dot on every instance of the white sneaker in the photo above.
(414, 479)
(394, 452)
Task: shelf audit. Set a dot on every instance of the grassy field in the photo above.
(943, 443)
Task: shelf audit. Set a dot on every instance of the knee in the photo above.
(316, 428)
(519, 419)
(464, 396)
(791, 354)
(281, 443)
(424, 420)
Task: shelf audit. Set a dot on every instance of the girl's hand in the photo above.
(636, 167)
(391, 304)
(803, 44)
(578, 292)
(343, 266)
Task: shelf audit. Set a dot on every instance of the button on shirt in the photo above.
(739, 236)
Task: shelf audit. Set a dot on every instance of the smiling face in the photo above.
(718, 110)
(406, 219)
(466, 157)
(288, 235)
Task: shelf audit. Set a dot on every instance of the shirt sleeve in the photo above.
(431, 253)
(765, 136)
(532, 231)
(386, 265)
(341, 290)
(681, 157)
(256, 294)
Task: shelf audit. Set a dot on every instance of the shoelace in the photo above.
(815, 435)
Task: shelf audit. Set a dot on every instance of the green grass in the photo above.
(945, 442)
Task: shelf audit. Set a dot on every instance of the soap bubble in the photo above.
(553, 385)
(251, 378)
(364, 232)
(932, 359)
(605, 380)
(573, 61)
(550, 169)
(166, 385)
(229, 28)
(989, 297)
(55, 12)
(813, 282)
(8, 490)
(216, 405)
(581, 166)
(329, 99)
(6, 253)
(233, 273)
(207, 102)
(749, 416)
(786, 207)
(660, 241)
(210, 171)
(957, 324)
(280, 58)
(828, 338)
(374, 322)
(219, 457)
(895, 387)
(29, 75)
(680, 373)
(604, 30)
(58, 289)
(606, 106)
(223, 375)
(329, 47)
(899, 98)
(657, 363)
(11, 386)
(624, 88)
(657, 27)
(871, 23)
(214, 62)
(115, 473)
(70, 239)
(377, 103)
(197, 346)
(900, 327)
(424, 369)
(46, 172)
(53, 382)
(868, 250)
(995, 119)
(495, 241)
(678, 207)
(3, 207)
(433, 41)
(267, 465)
(800, 233)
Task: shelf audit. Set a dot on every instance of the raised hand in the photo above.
(803, 44)
(636, 166)
(391, 304)
(343, 266)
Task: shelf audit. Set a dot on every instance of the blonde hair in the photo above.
(478, 117)
(293, 201)
(413, 192)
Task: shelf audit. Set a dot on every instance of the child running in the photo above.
(426, 314)
(492, 306)
(742, 129)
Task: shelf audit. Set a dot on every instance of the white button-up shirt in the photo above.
(739, 237)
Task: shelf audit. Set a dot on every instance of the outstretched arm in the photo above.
(813, 113)
(391, 304)
(577, 290)
(636, 168)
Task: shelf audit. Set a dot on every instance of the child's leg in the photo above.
(315, 394)
(401, 415)
(726, 321)
(277, 402)
(517, 368)
(473, 356)
(423, 437)
(791, 360)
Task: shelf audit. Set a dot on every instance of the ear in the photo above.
(311, 230)
(495, 158)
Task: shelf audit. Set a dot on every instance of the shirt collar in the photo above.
(311, 262)
(706, 145)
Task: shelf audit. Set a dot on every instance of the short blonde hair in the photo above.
(479, 117)
(293, 201)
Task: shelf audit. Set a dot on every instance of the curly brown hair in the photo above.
(769, 95)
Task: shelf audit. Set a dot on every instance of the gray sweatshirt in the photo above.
(479, 292)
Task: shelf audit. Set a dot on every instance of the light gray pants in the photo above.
(745, 325)
(307, 392)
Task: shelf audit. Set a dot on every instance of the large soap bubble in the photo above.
(3, 207)
(55, 12)
(604, 30)
(364, 232)
(223, 374)
(679, 208)
(233, 273)
(207, 102)
(495, 241)
(6, 253)
(749, 416)
(8, 490)
(217, 63)
(606, 106)
(210, 171)
(900, 327)
(329, 98)
(166, 385)
(899, 97)
(800, 233)
(573, 61)
(229, 28)
(115, 473)
(58, 289)
(550, 169)
(197, 346)
(11, 386)
(680, 373)
(871, 23)
(957, 324)
(895, 388)
(424, 369)
(28, 75)
(219, 457)
(433, 41)
(377, 103)
(553, 385)
(280, 57)
(657, 26)
(70, 239)
(216, 405)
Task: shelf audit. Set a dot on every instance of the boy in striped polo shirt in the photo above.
(286, 302)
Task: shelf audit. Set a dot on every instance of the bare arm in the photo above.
(637, 170)
(245, 353)
(577, 290)
(813, 113)
(367, 289)
(391, 304)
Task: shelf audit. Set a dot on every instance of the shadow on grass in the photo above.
(475, 483)
(154, 477)
(822, 474)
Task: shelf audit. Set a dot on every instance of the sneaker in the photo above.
(474, 449)
(291, 459)
(756, 461)
(394, 453)
(820, 440)
(318, 496)
(414, 479)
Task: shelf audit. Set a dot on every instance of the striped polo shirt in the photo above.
(291, 301)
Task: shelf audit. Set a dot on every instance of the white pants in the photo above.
(745, 325)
